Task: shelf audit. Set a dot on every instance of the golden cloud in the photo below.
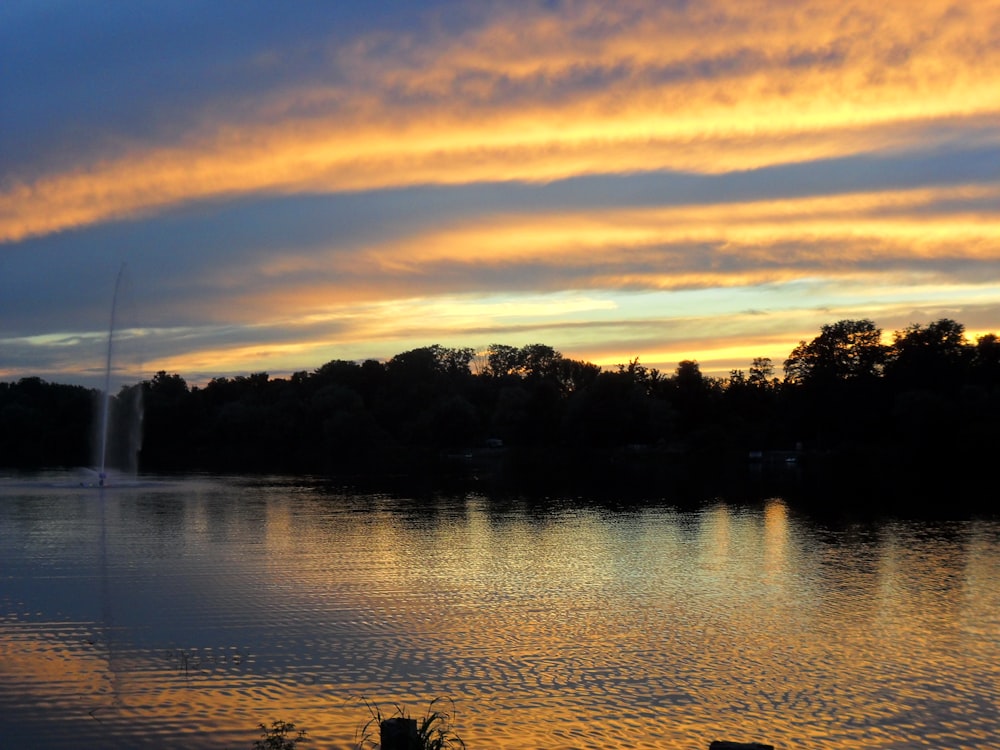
(527, 96)
(781, 238)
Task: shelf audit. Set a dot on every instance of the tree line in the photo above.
(930, 397)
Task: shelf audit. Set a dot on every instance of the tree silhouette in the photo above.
(846, 350)
(928, 401)
(934, 356)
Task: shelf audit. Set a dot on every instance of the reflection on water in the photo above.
(185, 613)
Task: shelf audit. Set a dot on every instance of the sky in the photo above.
(286, 184)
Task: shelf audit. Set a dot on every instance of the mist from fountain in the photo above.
(119, 427)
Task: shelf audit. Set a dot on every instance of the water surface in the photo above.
(183, 613)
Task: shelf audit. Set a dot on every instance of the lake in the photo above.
(184, 612)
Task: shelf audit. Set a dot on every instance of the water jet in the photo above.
(129, 415)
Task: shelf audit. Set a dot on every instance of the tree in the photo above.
(169, 420)
(574, 375)
(617, 410)
(44, 423)
(691, 395)
(502, 360)
(836, 399)
(345, 429)
(429, 361)
(539, 360)
(986, 360)
(648, 379)
(761, 373)
(846, 350)
(688, 377)
(751, 413)
(511, 417)
(168, 387)
(453, 422)
(933, 356)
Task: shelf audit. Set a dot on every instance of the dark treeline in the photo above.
(929, 400)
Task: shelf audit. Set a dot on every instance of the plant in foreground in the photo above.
(281, 735)
(434, 728)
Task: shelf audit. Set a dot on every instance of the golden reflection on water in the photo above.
(565, 627)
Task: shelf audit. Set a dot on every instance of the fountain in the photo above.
(129, 411)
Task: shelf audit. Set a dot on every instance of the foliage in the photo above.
(761, 373)
(434, 729)
(929, 398)
(45, 424)
(848, 349)
(932, 356)
(281, 735)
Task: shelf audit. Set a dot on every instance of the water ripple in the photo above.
(184, 615)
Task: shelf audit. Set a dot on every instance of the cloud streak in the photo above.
(295, 187)
(538, 96)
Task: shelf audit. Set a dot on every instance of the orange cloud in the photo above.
(320, 305)
(526, 96)
(752, 241)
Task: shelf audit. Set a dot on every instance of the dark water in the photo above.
(184, 613)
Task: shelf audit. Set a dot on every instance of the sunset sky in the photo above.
(291, 183)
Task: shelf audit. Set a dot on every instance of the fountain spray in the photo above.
(106, 400)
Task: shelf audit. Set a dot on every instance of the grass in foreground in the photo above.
(435, 730)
